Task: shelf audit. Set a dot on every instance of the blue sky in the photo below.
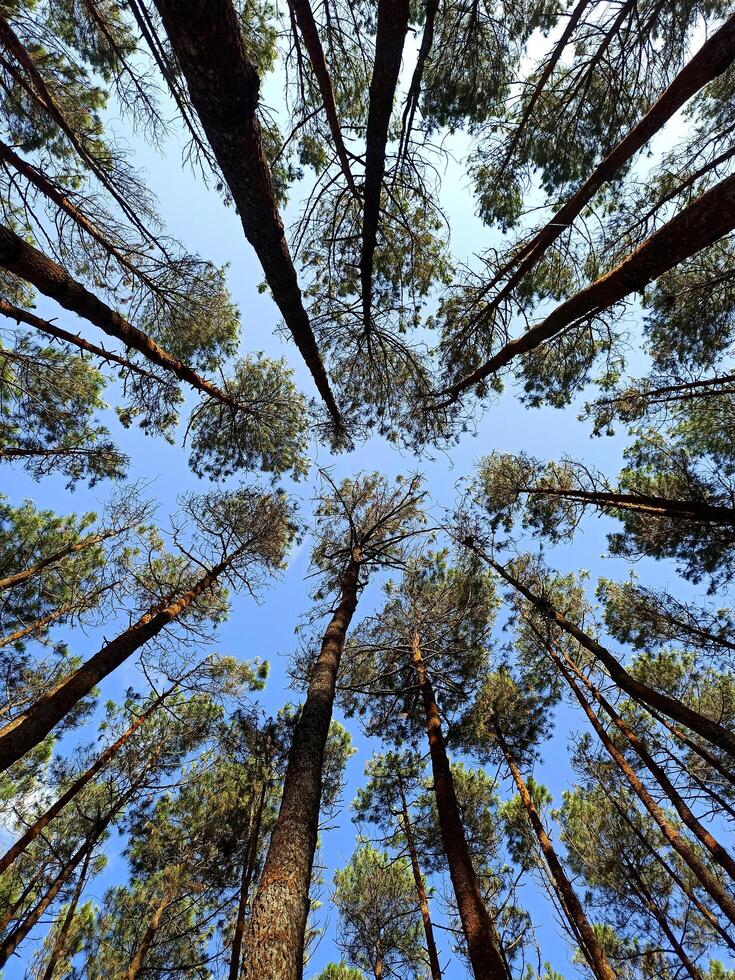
(266, 630)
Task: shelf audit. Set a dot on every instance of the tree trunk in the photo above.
(44, 326)
(716, 850)
(39, 825)
(708, 881)
(684, 510)
(52, 280)
(418, 879)
(31, 727)
(275, 936)
(53, 617)
(92, 539)
(393, 18)
(60, 945)
(708, 757)
(663, 922)
(414, 90)
(713, 58)
(224, 88)
(136, 964)
(483, 946)
(592, 948)
(703, 222)
(647, 696)
(248, 870)
(310, 33)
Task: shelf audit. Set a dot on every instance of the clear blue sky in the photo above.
(199, 219)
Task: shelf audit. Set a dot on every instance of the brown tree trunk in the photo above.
(310, 33)
(16, 937)
(702, 223)
(52, 617)
(23, 316)
(707, 880)
(686, 510)
(275, 936)
(414, 90)
(248, 870)
(224, 88)
(31, 727)
(594, 951)
(713, 58)
(136, 964)
(647, 696)
(393, 17)
(708, 757)
(38, 826)
(684, 391)
(52, 280)
(483, 945)
(60, 945)
(716, 850)
(92, 539)
(418, 879)
(662, 920)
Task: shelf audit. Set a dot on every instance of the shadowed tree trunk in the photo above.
(418, 879)
(393, 17)
(642, 693)
(52, 280)
(225, 89)
(642, 503)
(700, 224)
(31, 727)
(274, 940)
(594, 951)
(483, 944)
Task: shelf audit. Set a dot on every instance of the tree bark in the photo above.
(39, 825)
(92, 539)
(31, 727)
(275, 937)
(713, 58)
(418, 879)
(310, 33)
(592, 948)
(60, 945)
(483, 946)
(707, 880)
(52, 280)
(136, 964)
(224, 88)
(700, 224)
(393, 18)
(647, 696)
(681, 510)
(248, 870)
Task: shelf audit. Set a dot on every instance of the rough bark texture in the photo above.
(418, 879)
(708, 881)
(713, 58)
(52, 280)
(700, 224)
(224, 88)
(483, 946)
(275, 937)
(641, 693)
(28, 729)
(596, 955)
(393, 17)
